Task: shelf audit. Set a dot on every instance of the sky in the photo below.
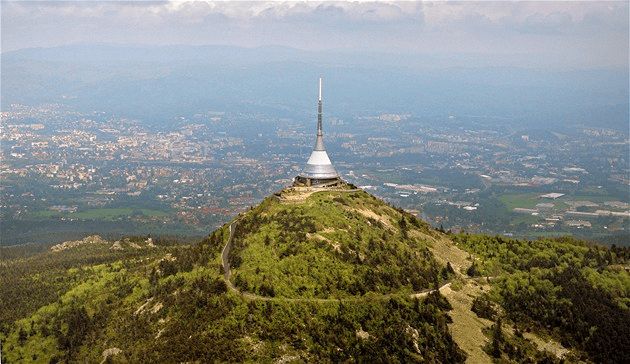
(567, 34)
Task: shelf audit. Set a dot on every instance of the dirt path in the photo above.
(444, 288)
(466, 327)
(227, 272)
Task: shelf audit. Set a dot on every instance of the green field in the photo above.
(527, 219)
(522, 200)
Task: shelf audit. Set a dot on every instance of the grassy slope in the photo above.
(333, 244)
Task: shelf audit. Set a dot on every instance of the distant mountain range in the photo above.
(157, 83)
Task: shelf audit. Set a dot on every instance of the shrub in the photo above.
(483, 307)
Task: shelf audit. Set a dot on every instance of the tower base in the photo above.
(301, 181)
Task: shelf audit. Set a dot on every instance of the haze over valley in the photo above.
(390, 182)
(175, 140)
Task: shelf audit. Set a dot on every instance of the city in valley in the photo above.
(67, 173)
(315, 182)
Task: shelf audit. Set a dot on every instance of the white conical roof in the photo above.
(319, 166)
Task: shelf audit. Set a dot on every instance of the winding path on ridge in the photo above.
(227, 273)
(464, 320)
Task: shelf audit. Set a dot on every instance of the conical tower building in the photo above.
(319, 170)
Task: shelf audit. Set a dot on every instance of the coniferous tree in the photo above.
(497, 339)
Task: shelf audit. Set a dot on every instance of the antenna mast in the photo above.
(319, 110)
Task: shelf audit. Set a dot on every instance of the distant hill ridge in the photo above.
(158, 83)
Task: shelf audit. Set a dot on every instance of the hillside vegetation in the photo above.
(333, 244)
(565, 289)
(140, 302)
(318, 276)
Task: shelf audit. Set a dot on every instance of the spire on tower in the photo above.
(320, 89)
(319, 143)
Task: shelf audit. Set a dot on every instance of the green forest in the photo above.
(576, 292)
(337, 276)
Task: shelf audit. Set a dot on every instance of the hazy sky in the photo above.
(566, 34)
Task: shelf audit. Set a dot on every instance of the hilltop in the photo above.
(332, 244)
(316, 275)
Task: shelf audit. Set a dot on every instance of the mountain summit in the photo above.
(330, 243)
